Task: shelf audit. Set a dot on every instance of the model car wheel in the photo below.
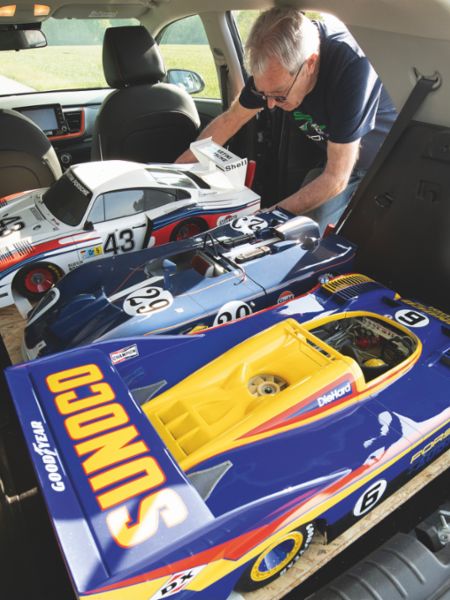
(188, 228)
(276, 559)
(35, 281)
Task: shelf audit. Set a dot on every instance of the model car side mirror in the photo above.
(89, 226)
(191, 81)
(302, 230)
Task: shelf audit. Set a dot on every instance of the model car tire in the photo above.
(34, 281)
(188, 228)
(276, 559)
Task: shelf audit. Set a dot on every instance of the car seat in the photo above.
(143, 119)
(27, 158)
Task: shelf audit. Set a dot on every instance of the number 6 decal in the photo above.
(370, 497)
(146, 301)
(411, 318)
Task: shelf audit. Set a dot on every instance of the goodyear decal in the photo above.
(48, 456)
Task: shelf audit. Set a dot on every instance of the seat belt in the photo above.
(420, 91)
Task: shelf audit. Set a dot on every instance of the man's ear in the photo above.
(312, 61)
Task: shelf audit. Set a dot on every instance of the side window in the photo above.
(184, 45)
(123, 203)
(97, 214)
(156, 198)
(244, 20)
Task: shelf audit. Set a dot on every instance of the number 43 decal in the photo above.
(122, 241)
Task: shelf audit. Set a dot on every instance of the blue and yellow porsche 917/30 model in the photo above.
(191, 466)
(227, 273)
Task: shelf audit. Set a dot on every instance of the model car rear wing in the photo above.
(116, 498)
(213, 158)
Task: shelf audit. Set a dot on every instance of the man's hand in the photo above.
(341, 158)
(222, 128)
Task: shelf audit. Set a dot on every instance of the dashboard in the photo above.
(67, 118)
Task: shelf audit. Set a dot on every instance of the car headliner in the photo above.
(397, 35)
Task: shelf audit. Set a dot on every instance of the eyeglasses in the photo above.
(276, 98)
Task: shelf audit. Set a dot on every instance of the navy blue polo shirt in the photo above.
(348, 101)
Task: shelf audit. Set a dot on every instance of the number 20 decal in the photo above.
(231, 311)
(146, 301)
(248, 224)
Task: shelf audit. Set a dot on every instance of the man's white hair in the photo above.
(285, 34)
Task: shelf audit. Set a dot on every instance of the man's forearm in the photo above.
(315, 193)
(223, 127)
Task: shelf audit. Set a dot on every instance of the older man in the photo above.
(317, 72)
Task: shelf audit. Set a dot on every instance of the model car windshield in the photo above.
(68, 199)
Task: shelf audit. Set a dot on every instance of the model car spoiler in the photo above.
(117, 500)
(213, 157)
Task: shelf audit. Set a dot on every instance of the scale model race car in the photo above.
(191, 466)
(113, 207)
(227, 273)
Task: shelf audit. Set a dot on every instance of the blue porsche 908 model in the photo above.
(191, 466)
(232, 271)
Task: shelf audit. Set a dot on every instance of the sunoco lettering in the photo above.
(101, 432)
(334, 394)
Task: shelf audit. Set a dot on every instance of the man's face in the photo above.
(283, 89)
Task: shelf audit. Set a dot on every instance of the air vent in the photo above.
(74, 120)
(347, 287)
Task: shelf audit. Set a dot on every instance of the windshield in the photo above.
(72, 58)
(68, 199)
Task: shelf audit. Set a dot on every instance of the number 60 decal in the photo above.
(146, 301)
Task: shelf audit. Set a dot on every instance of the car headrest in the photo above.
(131, 57)
(21, 134)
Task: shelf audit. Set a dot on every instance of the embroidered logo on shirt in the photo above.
(312, 130)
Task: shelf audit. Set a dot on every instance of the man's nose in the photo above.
(271, 103)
